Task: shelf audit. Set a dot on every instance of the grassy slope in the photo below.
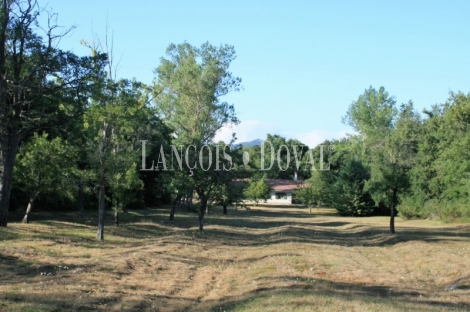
(266, 259)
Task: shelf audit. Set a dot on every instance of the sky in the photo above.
(302, 63)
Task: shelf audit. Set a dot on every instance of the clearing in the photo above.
(267, 259)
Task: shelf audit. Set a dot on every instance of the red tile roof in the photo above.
(281, 185)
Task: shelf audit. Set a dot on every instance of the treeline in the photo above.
(71, 131)
(73, 136)
(399, 160)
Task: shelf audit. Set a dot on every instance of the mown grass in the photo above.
(265, 259)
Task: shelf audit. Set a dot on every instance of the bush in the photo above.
(413, 207)
(451, 211)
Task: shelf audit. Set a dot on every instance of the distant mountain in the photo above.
(249, 144)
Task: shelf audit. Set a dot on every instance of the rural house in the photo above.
(281, 190)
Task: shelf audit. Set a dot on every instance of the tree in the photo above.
(349, 195)
(288, 157)
(439, 180)
(181, 186)
(389, 143)
(34, 74)
(230, 193)
(372, 114)
(188, 91)
(258, 190)
(118, 118)
(314, 190)
(42, 166)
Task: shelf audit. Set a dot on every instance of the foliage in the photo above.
(388, 144)
(188, 90)
(36, 82)
(350, 197)
(283, 159)
(67, 124)
(45, 167)
(232, 193)
(439, 180)
(257, 190)
(314, 191)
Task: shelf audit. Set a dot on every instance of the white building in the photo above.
(281, 190)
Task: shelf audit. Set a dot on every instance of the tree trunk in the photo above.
(81, 203)
(225, 209)
(392, 210)
(182, 202)
(6, 142)
(30, 206)
(8, 149)
(202, 209)
(172, 212)
(116, 217)
(173, 208)
(189, 200)
(100, 234)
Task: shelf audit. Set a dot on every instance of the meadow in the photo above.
(269, 258)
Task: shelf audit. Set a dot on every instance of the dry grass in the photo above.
(267, 259)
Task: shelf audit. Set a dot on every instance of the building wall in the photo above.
(274, 200)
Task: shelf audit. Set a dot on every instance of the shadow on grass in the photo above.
(242, 228)
(356, 236)
(325, 294)
(17, 271)
(48, 301)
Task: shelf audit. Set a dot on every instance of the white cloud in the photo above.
(255, 129)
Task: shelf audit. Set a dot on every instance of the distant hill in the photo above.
(249, 144)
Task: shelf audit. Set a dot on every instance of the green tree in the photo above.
(42, 166)
(285, 160)
(314, 191)
(439, 181)
(349, 195)
(118, 118)
(232, 190)
(188, 91)
(258, 190)
(182, 187)
(372, 115)
(389, 144)
(34, 76)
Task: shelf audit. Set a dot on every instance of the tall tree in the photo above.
(389, 144)
(372, 115)
(34, 73)
(189, 88)
(118, 118)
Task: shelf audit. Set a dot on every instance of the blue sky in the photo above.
(302, 63)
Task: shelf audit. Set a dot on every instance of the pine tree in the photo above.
(349, 196)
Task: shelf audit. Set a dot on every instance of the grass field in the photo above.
(266, 259)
